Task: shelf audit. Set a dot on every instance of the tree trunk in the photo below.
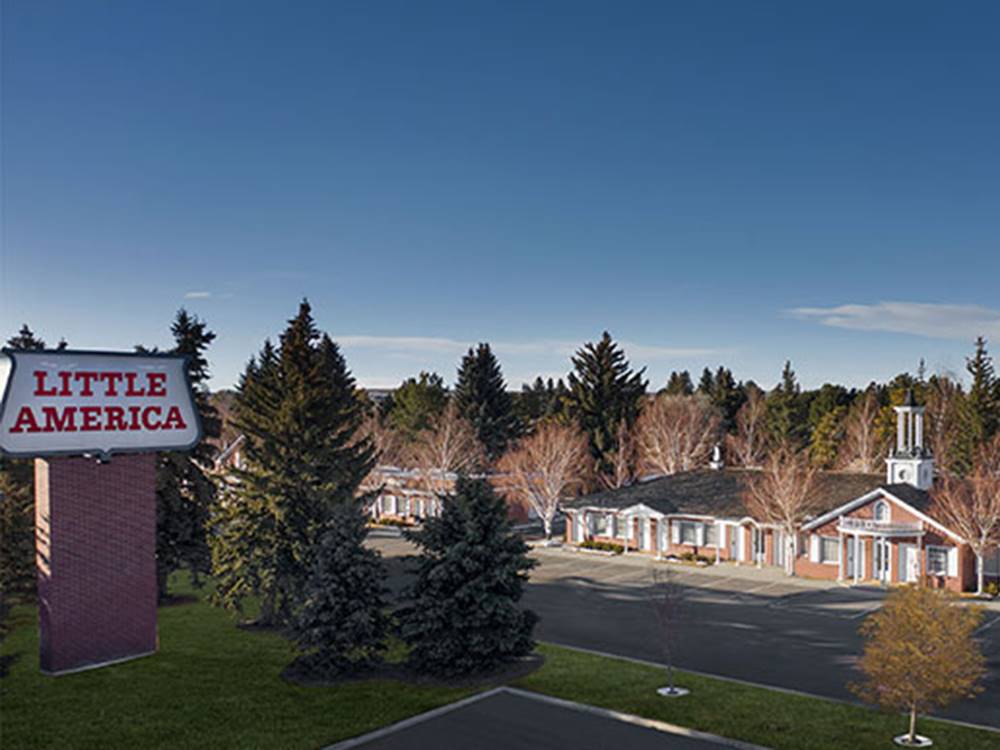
(979, 574)
(913, 725)
(547, 524)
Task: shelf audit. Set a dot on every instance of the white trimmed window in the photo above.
(711, 534)
(829, 550)
(688, 532)
(937, 561)
(599, 524)
(881, 511)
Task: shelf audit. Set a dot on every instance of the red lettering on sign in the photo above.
(25, 421)
(134, 415)
(130, 390)
(40, 389)
(87, 377)
(156, 382)
(115, 418)
(65, 377)
(149, 425)
(59, 421)
(91, 418)
(174, 420)
(111, 379)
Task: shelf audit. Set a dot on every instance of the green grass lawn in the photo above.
(764, 717)
(214, 685)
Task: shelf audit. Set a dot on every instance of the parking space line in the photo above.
(986, 626)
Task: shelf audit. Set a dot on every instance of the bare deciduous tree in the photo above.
(624, 460)
(863, 448)
(676, 433)
(544, 466)
(971, 506)
(450, 445)
(668, 596)
(747, 446)
(783, 494)
(944, 398)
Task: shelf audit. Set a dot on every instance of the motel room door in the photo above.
(883, 555)
(909, 567)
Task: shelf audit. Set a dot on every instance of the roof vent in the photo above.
(716, 462)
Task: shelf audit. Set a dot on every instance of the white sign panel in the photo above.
(68, 402)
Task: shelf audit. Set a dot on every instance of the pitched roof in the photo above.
(707, 492)
(915, 498)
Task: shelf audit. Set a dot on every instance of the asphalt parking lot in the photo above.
(513, 720)
(743, 623)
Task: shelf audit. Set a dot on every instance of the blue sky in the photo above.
(713, 182)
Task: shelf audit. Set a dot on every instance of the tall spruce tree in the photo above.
(341, 625)
(17, 503)
(417, 403)
(296, 405)
(984, 402)
(785, 413)
(481, 397)
(679, 384)
(604, 392)
(184, 491)
(461, 614)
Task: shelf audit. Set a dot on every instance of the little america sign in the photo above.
(75, 402)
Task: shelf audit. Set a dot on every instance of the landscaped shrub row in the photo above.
(602, 546)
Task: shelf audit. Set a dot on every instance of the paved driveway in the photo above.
(517, 721)
(746, 623)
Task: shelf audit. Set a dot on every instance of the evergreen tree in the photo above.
(461, 614)
(342, 624)
(785, 414)
(17, 503)
(184, 491)
(824, 446)
(417, 403)
(728, 397)
(983, 393)
(828, 398)
(603, 393)
(706, 384)
(303, 459)
(481, 397)
(542, 400)
(679, 384)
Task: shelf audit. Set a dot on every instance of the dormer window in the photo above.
(881, 511)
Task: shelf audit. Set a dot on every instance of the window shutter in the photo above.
(953, 562)
(675, 532)
(814, 548)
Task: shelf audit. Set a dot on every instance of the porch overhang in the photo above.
(870, 527)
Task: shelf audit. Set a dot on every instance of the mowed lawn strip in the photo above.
(211, 685)
(756, 715)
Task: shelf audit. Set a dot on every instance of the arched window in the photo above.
(881, 511)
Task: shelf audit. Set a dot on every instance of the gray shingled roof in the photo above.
(915, 498)
(707, 492)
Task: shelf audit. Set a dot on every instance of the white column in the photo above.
(843, 554)
(920, 429)
(900, 431)
(857, 556)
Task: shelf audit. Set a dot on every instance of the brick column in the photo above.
(95, 529)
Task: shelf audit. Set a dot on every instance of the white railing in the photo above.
(872, 526)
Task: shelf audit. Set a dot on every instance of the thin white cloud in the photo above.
(197, 295)
(961, 322)
(430, 345)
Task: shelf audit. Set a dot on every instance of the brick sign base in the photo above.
(95, 527)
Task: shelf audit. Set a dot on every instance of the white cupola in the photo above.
(909, 462)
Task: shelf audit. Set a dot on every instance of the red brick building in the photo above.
(410, 495)
(871, 528)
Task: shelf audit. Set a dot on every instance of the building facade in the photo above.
(872, 528)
